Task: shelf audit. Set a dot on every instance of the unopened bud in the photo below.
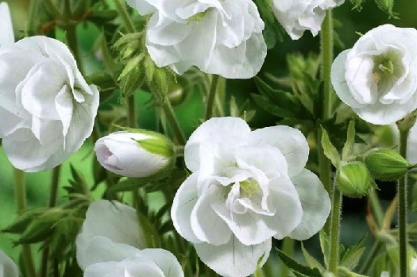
(386, 164)
(139, 153)
(353, 179)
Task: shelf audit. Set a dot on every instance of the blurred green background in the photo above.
(191, 110)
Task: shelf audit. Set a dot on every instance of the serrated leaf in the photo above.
(311, 261)
(298, 269)
(329, 150)
(325, 246)
(350, 140)
(351, 256)
(149, 68)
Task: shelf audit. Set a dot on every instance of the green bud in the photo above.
(386, 164)
(353, 179)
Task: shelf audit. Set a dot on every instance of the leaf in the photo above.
(298, 269)
(127, 185)
(350, 140)
(311, 261)
(325, 246)
(329, 150)
(350, 258)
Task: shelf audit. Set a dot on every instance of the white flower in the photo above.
(135, 154)
(7, 267)
(413, 267)
(110, 241)
(219, 37)
(384, 274)
(245, 188)
(6, 32)
(46, 106)
(297, 16)
(377, 78)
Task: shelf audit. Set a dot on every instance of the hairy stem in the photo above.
(211, 97)
(335, 231)
(402, 209)
(20, 196)
(125, 16)
(173, 122)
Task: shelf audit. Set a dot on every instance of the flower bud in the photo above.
(386, 164)
(139, 153)
(353, 179)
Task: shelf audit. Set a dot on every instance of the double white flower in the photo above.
(377, 78)
(46, 106)
(110, 241)
(245, 188)
(219, 37)
(297, 16)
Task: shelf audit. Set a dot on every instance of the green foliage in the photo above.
(329, 149)
(298, 269)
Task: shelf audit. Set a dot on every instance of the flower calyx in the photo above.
(353, 179)
(386, 164)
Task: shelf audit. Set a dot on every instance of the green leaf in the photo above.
(344, 272)
(325, 246)
(311, 261)
(298, 269)
(350, 140)
(258, 271)
(329, 150)
(351, 256)
(128, 185)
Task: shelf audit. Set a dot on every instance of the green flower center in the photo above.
(197, 17)
(249, 187)
(387, 69)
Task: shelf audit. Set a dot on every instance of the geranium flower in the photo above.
(46, 106)
(110, 244)
(377, 77)
(6, 33)
(135, 154)
(297, 16)
(7, 267)
(245, 188)
(219, 37)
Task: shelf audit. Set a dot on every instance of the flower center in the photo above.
(197, 17)
(249, 187)
(387, 69)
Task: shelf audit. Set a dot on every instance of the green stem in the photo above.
(335, 231)
(327, 60)
(72, 41)
(131, 111)
(20, 196)
(31, 27)
(125, 16)
(173, 122)
(53, 194)
(402, 209)
(376, 207)
(287, 248)
(326, 41)
(211, 97)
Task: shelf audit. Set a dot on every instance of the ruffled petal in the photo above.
(165, 260)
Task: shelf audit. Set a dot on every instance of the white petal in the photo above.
(207, 225)
(165, 260)
(7, 267)
(6, 33)
(97, 249)
(315, 202)
(184, 201)
(233, 259)
(142, 6)
(291, 142)
(227, 131)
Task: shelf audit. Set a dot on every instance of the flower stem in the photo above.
(335, 231)
(72, 41)
(52, 202)
(211, 97)
(376, 248)
(287, 248)
(402, 209)
(20, 196)
(376, 207)
(173, 122)
(326, 43)
(125, 17)
(131, 111)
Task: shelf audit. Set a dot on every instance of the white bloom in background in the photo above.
(46, 106)
(377, 78)
(297, 16)
(6, 32)
(245, 188)
(135, 154)
(7, 267)
(110, 241)
(219, 37)
(384, 274)
(413, 267)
